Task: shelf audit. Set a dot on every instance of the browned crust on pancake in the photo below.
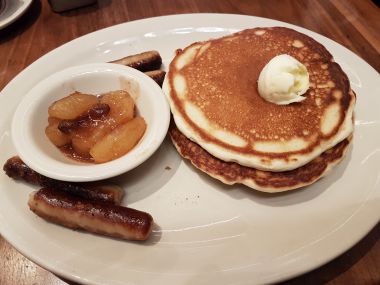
(231, 172)
(292, 119)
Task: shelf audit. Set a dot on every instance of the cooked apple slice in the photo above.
(122, 106)
(84, 139)
(54, 134)
(72, 106)
(120, 141)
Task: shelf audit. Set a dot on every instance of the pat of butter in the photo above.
(283, 80)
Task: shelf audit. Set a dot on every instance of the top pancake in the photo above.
(212, 90)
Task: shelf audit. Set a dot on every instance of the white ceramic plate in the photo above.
(12, 11)
(208, 233)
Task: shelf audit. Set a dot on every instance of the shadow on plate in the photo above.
(150, 176)
(23, 23)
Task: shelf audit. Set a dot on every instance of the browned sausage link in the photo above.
(17, 169)
(145, 61)
(96, 112)
(94, 193)
(96, 217)
(157, 75)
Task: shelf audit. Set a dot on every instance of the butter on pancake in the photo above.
(212, 91)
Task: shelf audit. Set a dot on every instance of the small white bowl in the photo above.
(31, 118)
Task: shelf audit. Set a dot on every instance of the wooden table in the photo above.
(352, 23)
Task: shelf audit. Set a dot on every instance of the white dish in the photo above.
(209, 233)
(31, 116)
(12, 11)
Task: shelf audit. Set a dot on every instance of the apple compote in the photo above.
(93, 128)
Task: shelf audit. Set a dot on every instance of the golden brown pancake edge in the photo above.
(265, 181)
(293, 119)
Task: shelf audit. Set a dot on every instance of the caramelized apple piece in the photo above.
(103, 127)
(121, 104)
(72, 106)
(82, 146)
(96, 113)
(120, 141)
(54, 134)
(86, 138)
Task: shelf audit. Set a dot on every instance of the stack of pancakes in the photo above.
(227, 130)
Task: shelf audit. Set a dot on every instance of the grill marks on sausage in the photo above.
(92, 216)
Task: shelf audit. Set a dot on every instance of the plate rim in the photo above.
(17, 14)
(4, 92)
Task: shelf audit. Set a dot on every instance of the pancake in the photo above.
(212, 91)
(265, 181)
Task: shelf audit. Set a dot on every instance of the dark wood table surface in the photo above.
(352, 23)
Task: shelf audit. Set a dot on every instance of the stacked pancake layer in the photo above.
(212, 90)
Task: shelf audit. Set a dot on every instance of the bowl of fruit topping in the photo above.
(90, 122)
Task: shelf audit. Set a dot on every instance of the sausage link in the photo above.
(96, 217)
(17, 169)
(145, 61)
(157, 75)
